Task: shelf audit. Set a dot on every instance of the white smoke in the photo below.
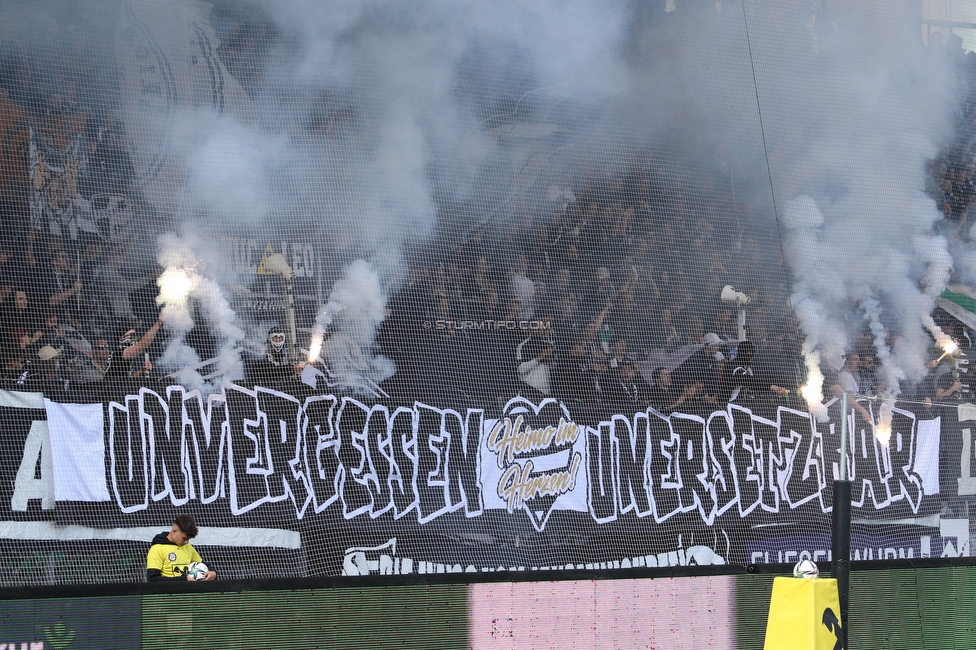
(206, 152)
(184, 284)
(351, 317)
(891, 373)
(229, 167)
(857, 227)
(371, 180)
(964, 254)
(820, 291)
(830, 113)
(878, 272)
(849, 107)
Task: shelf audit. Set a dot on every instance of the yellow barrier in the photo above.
(804, 615)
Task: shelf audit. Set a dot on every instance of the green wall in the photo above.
(375, 617)
(890, 609)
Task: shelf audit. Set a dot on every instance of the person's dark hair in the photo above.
(120, 331)
(187, 525)
(658, 373)
(747, 350)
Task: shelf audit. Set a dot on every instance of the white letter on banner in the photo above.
(26, 487)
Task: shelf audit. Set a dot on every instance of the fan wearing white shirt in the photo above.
(847, 383)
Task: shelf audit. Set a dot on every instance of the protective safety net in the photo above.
(377, 288)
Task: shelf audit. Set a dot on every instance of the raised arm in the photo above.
(135, 350)
(839, 391)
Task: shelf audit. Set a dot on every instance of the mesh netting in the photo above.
(371, 289)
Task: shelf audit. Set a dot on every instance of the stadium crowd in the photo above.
(591, 290)
(952, 173)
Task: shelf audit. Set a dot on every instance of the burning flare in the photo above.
(175, 285)
(948, 347)
(812, 391)
(315, 348)
(882, 430)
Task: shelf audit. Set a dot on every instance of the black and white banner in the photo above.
(263, 458)
(55, 176)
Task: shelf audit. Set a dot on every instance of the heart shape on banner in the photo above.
(536, 463)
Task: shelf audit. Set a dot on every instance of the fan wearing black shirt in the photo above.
(122, 360)
(577, 377)
(665, 396)
(625, 389)
(745, 383)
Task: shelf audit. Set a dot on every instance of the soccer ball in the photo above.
(198, 570)
(806, 569)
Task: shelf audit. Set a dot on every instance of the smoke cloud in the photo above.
(847, 112)
(376, 125)
(849, 128)
(352, 316)
(185, 288)
(359, 129)
(830, 115)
